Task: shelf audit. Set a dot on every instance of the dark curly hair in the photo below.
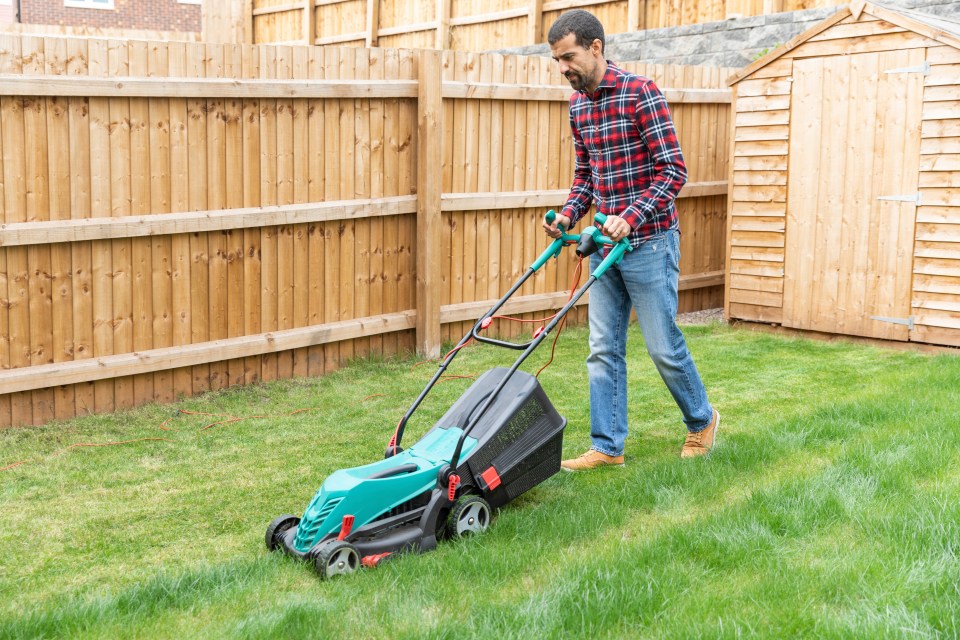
(583, 24)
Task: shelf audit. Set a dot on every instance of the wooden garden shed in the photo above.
(845, 198)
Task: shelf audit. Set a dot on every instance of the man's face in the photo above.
(580, 66)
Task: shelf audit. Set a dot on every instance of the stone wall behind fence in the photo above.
(729, 43)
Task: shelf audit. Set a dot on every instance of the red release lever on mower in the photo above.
(452, 486)
(345, 527)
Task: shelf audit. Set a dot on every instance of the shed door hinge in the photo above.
(908, 321)
(923, 69)
(914, 198)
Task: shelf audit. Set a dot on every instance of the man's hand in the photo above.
(552, 230)
(616, 228)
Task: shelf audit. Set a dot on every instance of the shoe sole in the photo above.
(592, 468)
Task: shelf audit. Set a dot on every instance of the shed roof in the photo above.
(936, 28)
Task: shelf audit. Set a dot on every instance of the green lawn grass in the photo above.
(830, 508)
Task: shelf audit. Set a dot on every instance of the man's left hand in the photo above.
(616, 228)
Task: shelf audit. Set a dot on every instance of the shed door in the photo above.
(854, 138)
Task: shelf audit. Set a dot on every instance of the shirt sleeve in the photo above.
(581, 193)
(670, 173)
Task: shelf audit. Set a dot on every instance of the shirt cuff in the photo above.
(570, 213)
(634, 216)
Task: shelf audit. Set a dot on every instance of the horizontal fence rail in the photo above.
(86, 229)
(178, 217)
(16, 85)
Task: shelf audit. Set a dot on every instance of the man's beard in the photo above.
(575, 80)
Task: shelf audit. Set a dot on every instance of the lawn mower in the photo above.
(501, 438)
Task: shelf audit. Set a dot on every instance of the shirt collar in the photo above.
(608, 81)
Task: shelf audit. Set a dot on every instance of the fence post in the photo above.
(535, 22)
(443, 24)
(309, 22)
(429, 186)
(373, 23)
(635, 15)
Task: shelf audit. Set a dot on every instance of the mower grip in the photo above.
(551, 216)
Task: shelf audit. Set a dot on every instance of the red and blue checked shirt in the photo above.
(628, 157)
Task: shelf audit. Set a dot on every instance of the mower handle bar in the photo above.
(553, 251)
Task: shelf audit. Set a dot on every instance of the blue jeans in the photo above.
(647, 280)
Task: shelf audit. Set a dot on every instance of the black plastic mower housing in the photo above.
(520, 435)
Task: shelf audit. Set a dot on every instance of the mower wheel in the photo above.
(279, 525)
(470, 514)
(335, 558)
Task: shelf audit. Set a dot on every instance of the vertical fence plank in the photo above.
(507, 179)
(557, 279)
(331, 184)
(217, 190)
(468, 220)
(429, 152)
(268, 196)
(496, 144)
(348, 159)
(302, 276)
(160, 202)
(452, 171)
(391, 187)
(408, 185)
(141, 201)
(546, 280)
(181, 276)
(463, 145)
(234, 181)
(39, 264)
(100, 205)
(198, 185)
(120, 195)
(315, 188)
(58, 139)
(376, 136)
(284, 182)
(485, 139)
(252, 249)
(80, 207)
(361, 189)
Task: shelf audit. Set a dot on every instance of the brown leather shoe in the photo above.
(700, 443)
(591, 460)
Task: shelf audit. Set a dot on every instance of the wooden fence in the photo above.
(463, 25)
(179, 217)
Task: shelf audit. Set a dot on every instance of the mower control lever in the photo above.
(592, 239)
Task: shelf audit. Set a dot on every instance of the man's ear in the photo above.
(596, 47)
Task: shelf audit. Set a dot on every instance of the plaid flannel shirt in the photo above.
(628, 157)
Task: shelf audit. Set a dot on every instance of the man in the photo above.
(629, 164)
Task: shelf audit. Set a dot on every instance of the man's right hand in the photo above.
(552, 230)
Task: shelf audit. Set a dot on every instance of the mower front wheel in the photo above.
(470, 515)
(335, 558)
(279, 525)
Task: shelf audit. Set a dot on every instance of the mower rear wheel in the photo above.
(335, 558)
(470, 515)
(279, 525)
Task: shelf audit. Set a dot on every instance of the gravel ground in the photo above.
(705, 316)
